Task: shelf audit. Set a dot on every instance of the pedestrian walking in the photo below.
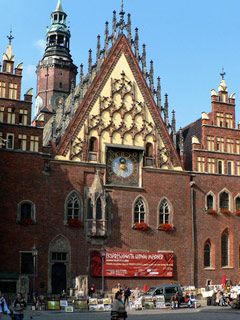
(19, 306)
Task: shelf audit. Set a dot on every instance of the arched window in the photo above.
(207, 254)
(164, 212)
(99, 209)
(209, 201)
(224, 200)
(73, 207)
(26, 212)
(139, 211)
(237, 201)
(225, 249)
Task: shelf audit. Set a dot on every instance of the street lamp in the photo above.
(34, 255)
(103, 254)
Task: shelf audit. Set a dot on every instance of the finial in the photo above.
(90, 62)
(151, 76)
(166, 109)
(122, 6)
(122, 13)
(129, 28)
(181, 142)
(98, 47)
(144, 61)
(81, 73)
(159, 102)
(173, 122)
(136, 44)
(106, 36)
(10, 37)
(114, 26)
(222, 74)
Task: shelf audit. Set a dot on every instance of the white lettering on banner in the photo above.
(136, 256)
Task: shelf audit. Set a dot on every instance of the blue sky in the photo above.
(189, 42)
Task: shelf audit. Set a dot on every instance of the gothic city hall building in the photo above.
(99, 187)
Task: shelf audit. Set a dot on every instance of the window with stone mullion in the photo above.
(164, 216)
(73, 208)
(139, 211)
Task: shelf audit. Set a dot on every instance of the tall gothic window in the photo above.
(225, 249)
(224, 200)
(209, 201)
(73, 206)
(207, 254)
(164, 212)
(139, 211)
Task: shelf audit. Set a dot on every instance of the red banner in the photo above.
(132, 264)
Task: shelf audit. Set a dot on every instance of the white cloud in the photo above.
(40, 45)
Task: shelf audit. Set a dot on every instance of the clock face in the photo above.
(122, 167)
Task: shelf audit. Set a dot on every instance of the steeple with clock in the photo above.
(55, 72)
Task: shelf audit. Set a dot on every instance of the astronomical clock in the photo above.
(122, 167)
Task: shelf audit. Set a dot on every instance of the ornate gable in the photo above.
(119, 110)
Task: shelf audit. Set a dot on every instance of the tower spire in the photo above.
(59, 6)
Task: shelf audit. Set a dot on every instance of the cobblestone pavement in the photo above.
(206, 313)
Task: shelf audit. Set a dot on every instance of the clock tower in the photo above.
(56, 71)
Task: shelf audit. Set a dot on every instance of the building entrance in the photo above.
(58, 278)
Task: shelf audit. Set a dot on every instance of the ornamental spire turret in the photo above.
(159, 100)
(129, 28)
(166, 117)
(144, 61)
(151, 77)
(136, 44)
(98, 47)
(114, 26)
